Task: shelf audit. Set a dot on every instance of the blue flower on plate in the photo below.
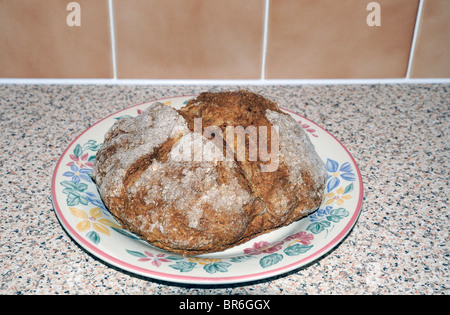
(78, 173)
(320, 214)
(96, 201)
(337, 173)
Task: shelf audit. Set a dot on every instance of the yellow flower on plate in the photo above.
(204, 261)
(337, 197)
(94, 219)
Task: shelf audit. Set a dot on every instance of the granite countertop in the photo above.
(398, 135)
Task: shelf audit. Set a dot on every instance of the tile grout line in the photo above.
(265, 33)
(112, 32)
(414, 40)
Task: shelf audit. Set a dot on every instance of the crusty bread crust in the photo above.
(194, 207)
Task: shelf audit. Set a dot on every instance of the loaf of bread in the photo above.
(225, 168)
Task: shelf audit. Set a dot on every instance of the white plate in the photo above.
(82, 214)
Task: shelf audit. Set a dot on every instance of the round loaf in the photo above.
(177, 180)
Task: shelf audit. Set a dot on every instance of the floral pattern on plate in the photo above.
(83, 214)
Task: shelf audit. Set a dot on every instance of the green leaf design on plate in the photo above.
(297, 249)
(348, 189)
(74, 199)
(220, 266)
(94, 237)
(183, 266)
(174, 258)
(318, 227)
(78, 150)
(69, 184)
(337, 215)
(91, 145)
(124, 116)
(73, 187)
(73, 193)
(241, 258)
(82, 187)
(270, 260)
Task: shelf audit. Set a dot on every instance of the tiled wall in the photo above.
(224, 39)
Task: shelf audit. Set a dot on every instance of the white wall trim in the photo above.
(224, 82)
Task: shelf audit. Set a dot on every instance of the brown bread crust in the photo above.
(195, 207)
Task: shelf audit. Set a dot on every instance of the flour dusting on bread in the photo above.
(170, 182)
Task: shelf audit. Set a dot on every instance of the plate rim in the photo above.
(106, 258)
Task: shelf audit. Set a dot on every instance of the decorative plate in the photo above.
(84, 216)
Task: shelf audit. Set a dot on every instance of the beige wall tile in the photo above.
(331, 39)
(432, 53)
(189, 39)
(36, 42)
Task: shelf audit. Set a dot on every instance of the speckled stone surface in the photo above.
(398, 134)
